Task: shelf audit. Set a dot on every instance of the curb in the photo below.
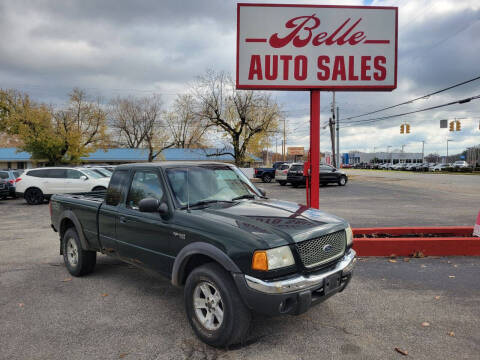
(455, 241)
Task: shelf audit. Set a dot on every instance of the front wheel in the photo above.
(34, 196)
(78, 261)
(342, 181)
(282, 183)
(214, 308)
(266, 178)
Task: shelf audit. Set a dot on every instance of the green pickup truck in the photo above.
(208, 229)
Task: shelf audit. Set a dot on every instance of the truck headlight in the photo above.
(272, 259)
(349, 233)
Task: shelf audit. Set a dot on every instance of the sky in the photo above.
(118, 48)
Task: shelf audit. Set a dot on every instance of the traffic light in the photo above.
(407, 126)
(458, 126)
(451, 125)
(402, 127)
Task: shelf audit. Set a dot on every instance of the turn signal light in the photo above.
(260, 261)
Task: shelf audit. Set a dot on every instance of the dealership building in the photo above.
(358, 157)
(12, 158)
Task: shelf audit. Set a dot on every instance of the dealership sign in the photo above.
(306, 47)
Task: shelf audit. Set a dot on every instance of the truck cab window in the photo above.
(114, 191)
(145, 184)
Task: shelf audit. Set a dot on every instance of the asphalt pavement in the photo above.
(395, 198)
(428, 307)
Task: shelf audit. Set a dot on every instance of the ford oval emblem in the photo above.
(327, 248)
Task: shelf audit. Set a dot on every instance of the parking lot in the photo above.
(427, 307)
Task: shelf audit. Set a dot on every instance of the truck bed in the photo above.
(84, 207)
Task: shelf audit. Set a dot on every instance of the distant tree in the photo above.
(187, 127)
(57, 136)
(239, 114)
(138, 124)
(32, 124)
(82, 126)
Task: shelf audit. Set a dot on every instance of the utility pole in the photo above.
(338, 137)
(423, 151)
(284, 143)
(276, 151)
(332, 139)
(446, 159)
(332, 130)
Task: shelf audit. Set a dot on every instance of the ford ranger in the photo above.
(208, 229)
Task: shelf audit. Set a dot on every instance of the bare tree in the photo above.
(240, 114)
(137, 123)
(82, 126)
(187, 127)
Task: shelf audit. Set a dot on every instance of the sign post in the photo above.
(313, 48)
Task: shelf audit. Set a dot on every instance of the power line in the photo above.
(418, 98)
(462, 101)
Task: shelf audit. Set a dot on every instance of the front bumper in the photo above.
(294, 295)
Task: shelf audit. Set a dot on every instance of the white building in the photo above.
(358, 157)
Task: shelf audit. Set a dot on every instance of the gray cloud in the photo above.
(113, 47)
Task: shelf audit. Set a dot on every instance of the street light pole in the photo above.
(423, 151)
(446, 160)
(388, 147)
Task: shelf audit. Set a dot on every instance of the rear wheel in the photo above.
(78, 261)
(214, 308)
(266, 178)
(295, 184)
(282, 183)
(99, 188)
(34, 196)
(342, 181)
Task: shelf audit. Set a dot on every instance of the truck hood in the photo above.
(275, 222)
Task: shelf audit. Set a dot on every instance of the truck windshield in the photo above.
(208, 184)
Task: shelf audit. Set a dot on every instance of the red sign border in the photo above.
(320, 87)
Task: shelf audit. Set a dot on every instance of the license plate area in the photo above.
(332, 283)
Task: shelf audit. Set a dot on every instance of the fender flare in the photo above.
(200, 248)
(68, 214)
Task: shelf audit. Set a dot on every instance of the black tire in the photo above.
(282, 183)
(236, 316)
(295, 184)
(99, 188)
(85, 260)
(34, 196)
(267, 178)
(342, 181)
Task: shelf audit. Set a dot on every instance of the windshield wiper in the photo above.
(204, 202)
(246, 196)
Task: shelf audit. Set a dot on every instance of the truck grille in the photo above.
(313, 252)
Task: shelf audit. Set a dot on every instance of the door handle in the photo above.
(123, 219)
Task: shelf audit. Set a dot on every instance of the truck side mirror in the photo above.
(149, 205)
(152, 205)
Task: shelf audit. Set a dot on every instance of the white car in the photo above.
(281, 174)
(100, 170)
(441, 167)
(461, 164)
(35, 185)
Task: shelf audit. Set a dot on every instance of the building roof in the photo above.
(133, 155)
(11, 154)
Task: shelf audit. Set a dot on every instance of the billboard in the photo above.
(305, 47)
(296, 150)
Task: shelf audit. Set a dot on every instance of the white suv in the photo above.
(37, 184)
(281, 174)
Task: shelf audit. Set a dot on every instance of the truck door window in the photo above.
(145, 184)
(117, 182)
